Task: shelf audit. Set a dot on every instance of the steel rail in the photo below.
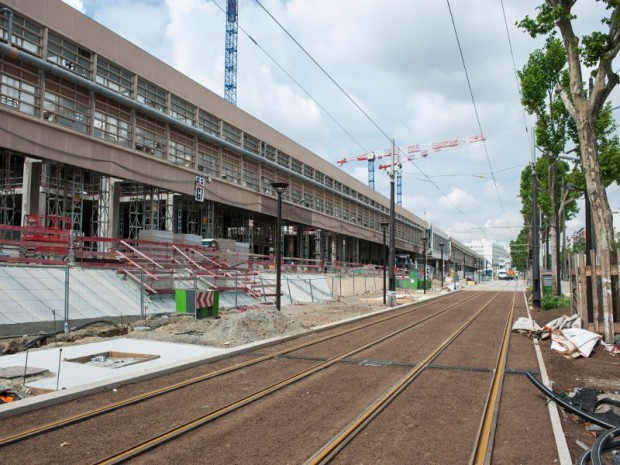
(483, 449)
(215, 414)
(176, 386)
(339, 441)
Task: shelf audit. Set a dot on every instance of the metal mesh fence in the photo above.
(54, 298)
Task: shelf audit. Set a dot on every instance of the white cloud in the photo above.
(77, 4)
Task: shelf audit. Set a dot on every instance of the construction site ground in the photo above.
(235, 328)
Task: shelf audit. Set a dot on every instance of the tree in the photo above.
(597, 51)
(519, 249)
(544, 71)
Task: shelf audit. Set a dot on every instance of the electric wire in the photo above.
(473, 100)
(262, 49)
(514, 67)
(374, 123)
(347, 95)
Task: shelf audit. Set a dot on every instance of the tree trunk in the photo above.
(601, 215)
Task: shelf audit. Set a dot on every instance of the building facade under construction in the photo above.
(106, 144)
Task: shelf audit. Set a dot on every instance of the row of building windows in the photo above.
(67, 104)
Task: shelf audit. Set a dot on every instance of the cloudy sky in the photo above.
(399, 61)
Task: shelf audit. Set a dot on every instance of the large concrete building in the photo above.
(495, 254)
(98, 132)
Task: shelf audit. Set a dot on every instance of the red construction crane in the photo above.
(422, 150)
(419, 150)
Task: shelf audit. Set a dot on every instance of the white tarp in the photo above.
(574, 342)
(525, 325)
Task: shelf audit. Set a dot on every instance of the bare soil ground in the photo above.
(601, 371)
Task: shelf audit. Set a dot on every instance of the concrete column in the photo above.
(115, 208)
(170, 212)
(32, 203)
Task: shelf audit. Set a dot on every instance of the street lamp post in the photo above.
(279, 187)
(424, 239)
(441, 244)
(384, 261)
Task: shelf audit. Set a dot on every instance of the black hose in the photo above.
(604, 443)
(85, 325)
(42, 337)
(568, 406)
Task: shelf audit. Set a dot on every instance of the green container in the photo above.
(186, 304)
(185, 301)
(547, 283)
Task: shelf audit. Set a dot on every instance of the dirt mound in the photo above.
(231, 329)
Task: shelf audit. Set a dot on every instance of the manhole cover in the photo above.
(18, 372)
(112, 359)
(375, 363)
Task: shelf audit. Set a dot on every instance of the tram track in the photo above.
(31, 432)
(171, 434)
(338, 442)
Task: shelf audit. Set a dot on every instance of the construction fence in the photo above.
(57, 298)
(588, 283)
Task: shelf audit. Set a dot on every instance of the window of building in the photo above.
(69, 55)
(250, 175)
(308, 172)
(296, 196)
(66, 104)
(150, 136)
(114, 77)
(329, 182)
(231, 134)
(151, 95)
(297, 166)
(182, 110)
(251, 143)
(208, 159)
(268, 176)
(319, 202)
(209, 123)
(181, 148)
(112, 122)
(26, 34)
(269, 152)
(19, 87)
(231, 166)
(284, 159)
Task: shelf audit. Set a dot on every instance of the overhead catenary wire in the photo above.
(473, 100)
(297, 83)
(514, 67)
(352, 100)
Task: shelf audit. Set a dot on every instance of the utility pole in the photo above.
(535, 232)
(392, 227)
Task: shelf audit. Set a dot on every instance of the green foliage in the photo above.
(579, 246)
(519, 249)
(554, 301)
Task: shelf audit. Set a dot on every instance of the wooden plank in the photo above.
(595, 306)
(607, 298)
(574, 285)
(581, 266)
(618, 286)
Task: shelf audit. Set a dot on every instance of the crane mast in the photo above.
(230, 63)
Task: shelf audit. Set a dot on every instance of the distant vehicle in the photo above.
(506, 274)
